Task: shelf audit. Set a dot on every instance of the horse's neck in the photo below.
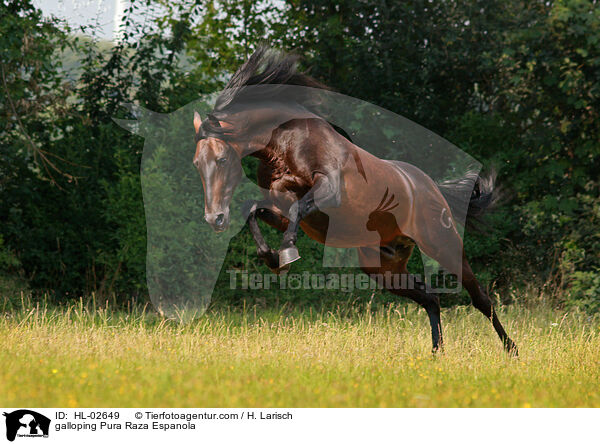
(260, 123)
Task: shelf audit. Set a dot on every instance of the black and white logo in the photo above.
(26, 423)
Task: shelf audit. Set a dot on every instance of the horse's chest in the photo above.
(282, 187)
(285, 190)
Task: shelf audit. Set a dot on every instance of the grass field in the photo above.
(79, 357)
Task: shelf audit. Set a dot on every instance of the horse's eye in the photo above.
(221, 161)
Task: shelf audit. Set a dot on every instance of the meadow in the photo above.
(84, 356)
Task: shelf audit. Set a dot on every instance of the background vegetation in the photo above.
(86, 355)
(514, 83)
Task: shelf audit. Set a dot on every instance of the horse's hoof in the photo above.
(284, 269)
(437, 350)
(287, 256)
(511, 349)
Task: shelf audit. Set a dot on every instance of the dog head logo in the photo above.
(26, 423)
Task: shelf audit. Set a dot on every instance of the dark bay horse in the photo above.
(312, 173)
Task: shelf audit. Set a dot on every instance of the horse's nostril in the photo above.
(219, 220)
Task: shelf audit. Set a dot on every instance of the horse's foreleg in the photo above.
(324, 194)
(264, 252)
(273, 217)
(265, 211)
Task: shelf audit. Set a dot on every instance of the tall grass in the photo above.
(90, 356)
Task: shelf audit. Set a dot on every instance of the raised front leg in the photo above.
(264, 252)
(264, 210)
(325, 193)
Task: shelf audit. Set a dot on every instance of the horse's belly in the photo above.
(343, 227)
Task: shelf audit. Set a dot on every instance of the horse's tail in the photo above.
(483, 196)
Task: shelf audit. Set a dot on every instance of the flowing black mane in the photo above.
(266, 66)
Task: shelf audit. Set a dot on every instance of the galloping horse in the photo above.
(311, 172)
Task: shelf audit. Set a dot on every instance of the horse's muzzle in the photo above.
(218, 221)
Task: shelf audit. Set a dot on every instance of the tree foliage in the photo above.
(516, 84)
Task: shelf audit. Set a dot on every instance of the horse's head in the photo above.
(221, 171)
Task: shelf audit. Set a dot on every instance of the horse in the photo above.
(311, 171)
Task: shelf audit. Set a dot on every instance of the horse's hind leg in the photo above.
(393, 259)
(445, 246)
(483, 303)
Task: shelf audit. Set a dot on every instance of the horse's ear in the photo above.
(146, 120)
(197, 121)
